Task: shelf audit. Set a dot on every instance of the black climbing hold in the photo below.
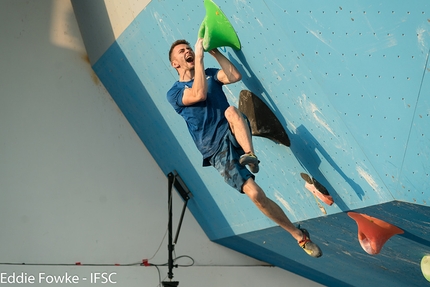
(263, 121)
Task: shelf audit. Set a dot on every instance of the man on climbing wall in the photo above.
(220, 131)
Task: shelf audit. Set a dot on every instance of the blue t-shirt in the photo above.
(205, 120)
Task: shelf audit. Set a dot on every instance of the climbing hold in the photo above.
(263, 121)
(317, 189)
(373, 232)
(216, 30)
(425, 267)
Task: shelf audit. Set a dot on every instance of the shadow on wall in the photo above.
(303, 144)
(95, 26)
(304, 138)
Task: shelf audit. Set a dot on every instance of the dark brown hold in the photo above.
(263, 121)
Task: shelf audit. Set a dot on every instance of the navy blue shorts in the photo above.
(226, 161)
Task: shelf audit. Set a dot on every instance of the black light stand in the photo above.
(174, 180)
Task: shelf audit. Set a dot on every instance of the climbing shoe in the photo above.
(251, 160)
(308, 246)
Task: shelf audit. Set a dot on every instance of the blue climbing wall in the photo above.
(350, 83)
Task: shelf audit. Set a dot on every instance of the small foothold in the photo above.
(317, 189)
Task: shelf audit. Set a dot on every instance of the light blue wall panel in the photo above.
(350, 84)
(329, 72)
(368, 60)
(414, 182)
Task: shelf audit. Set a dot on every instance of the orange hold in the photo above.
(373, 232)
